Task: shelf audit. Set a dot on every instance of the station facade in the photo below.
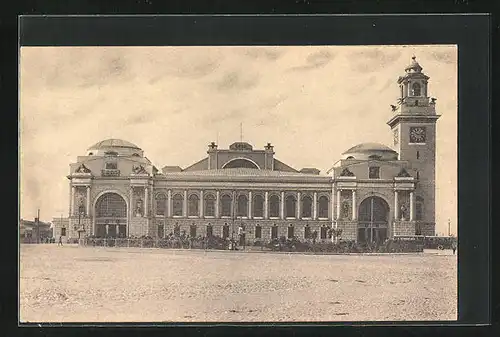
(372, 193)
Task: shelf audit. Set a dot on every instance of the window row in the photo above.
(193, 231)
(239, 208)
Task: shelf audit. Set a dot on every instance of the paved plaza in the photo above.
(96, 284)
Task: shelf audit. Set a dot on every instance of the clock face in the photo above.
(396, 137)
(417, 134)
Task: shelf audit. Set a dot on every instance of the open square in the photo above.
(76, 284)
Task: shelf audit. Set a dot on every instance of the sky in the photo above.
(311, 102)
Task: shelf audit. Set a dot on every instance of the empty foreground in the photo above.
(75, 284)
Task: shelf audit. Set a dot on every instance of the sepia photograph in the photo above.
(238, 183)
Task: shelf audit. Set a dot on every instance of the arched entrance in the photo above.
(373, 220)
(110, 216)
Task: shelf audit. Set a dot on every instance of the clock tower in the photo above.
(413, 127)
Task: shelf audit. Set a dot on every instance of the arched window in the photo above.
(291, 231)
(193, 205)
(419, 208)
(177, 205)
(225, 231)
(242, 205)
(323, 232)
(274, 206)
(226, 201)
(290, 202)
(274, 232)
(306, 207)
(416, 89)
(323, 207)
(258, 232)
(161, 204)
(111, 205)
(258, 206)
(161, 231)
(307, 232)
(209, 207)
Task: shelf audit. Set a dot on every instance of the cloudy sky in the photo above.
(310, 102)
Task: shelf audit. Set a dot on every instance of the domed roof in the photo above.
(113, 143)
(369, 147)
(414, 65)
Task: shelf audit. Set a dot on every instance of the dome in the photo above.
(414, 65)
(120, 143)
(367, 151)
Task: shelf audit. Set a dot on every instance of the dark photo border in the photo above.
(470, 32)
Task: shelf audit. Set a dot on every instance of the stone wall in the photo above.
(138, 226)
(428, 229)
(349, 230)
(404, 228)
(85, 222)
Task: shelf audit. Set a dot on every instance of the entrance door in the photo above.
(111, 209)
(373, 220)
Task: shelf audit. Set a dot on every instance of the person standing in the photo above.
(60, 241)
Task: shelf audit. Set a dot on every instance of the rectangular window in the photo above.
(323, 232)
(374, 172)
(160, 231)
(192, 231)
(209, 208)
(258, 232)
(290, 232)
(63, 231)
(111, 166)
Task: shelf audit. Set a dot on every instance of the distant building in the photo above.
(29, 231)
(61, 228)
(372, 193)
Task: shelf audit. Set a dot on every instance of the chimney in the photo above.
(212, 156)
(269, 157)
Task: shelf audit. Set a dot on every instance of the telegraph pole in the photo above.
(449, 227)
(38, 226)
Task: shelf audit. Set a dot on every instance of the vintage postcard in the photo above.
(238, 184)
